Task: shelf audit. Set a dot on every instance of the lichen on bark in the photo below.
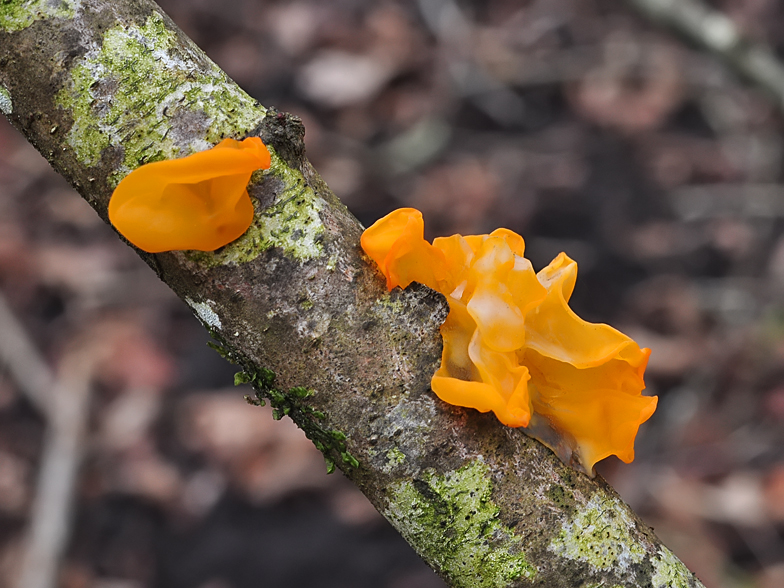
(453, 519)
(291, 223)
(16, 15)
(135, 90)
(6, 105)
(599, 535)
(669, 572)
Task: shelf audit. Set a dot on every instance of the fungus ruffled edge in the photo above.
(513, 346)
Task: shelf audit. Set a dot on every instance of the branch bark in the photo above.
(102, 87)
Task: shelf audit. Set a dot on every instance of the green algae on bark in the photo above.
(292, 223)
(330, 442)
(599, 534)
(454, 524)
(16, 15)
(136, 91)
(669, 572)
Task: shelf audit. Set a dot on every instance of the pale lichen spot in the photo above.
(669, 572)
(413, 420)
(205, 313)
(6, 106)
(314, 325)
(16, 15)
(395, 458)
(454, 523)
(389, 305)
(599, 534)
(137, 89)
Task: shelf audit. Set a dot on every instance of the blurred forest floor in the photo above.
(572, 122)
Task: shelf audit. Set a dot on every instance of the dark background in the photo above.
(572, 122)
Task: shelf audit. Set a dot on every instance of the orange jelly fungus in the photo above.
(196, 202)
(512, 344)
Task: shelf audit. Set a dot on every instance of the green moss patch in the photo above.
(292, 223)
(330, 442)
(16, 15)
(139, 96)
(135, 90)
(454, 524)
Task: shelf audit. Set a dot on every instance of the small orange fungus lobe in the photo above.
(513, 346)
(196, 202)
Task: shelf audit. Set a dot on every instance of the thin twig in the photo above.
(62, 455)
(716, 32)
(474, 82)
(17, 352)
(64, 402)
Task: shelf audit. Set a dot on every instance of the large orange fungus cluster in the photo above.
(512, 344)
(196, 202)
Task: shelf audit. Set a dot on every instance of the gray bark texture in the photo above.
(102, 87)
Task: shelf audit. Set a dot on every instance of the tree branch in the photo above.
(101, 87)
